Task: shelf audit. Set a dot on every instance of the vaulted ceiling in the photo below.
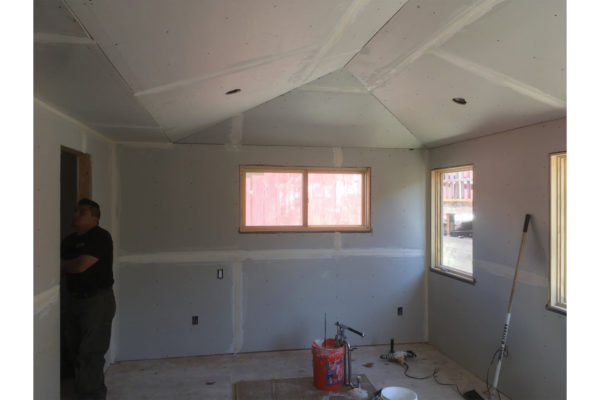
(359, 73)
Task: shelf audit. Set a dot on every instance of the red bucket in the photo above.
(328, 365)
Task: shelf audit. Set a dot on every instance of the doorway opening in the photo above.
(75, 183)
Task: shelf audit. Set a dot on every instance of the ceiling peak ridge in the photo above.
(255, 62)
(500, 79)
(237, 130)
(336, 33)
(466, 17)
(333, 89)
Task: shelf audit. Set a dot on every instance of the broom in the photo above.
(494, 390)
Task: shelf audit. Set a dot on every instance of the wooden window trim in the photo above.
(454, 275)
(558, 231)
(365, 202)
(437, 226)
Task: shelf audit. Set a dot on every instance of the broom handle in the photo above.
(512, 292)
(507, 323)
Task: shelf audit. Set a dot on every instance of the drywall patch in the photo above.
(338, 157)
(237, 126)
(337, 237)
(42, 302)
(238, 337)
(153, 325)
(286, 301)
(235, 133)
(282, 254)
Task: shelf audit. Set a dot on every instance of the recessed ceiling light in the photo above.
(233, 91)
(459, 100)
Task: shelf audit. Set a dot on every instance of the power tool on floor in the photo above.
(397, 356)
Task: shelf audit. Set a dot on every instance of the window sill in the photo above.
(453, 275)
(304, 229)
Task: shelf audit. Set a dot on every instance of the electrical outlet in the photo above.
(194, 320)
(400, 311)
(220, 273)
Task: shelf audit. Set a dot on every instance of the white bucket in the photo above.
(398, 393)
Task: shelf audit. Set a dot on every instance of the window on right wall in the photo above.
(452, 221)
(558, 232)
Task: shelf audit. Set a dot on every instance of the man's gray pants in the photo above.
(87, 334)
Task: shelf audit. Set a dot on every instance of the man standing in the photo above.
(86, 260)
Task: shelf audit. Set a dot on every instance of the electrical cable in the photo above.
(405, 365)
(411, 354)
(435, 372)
(433, 375)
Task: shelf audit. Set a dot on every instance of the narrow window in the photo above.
(452, 221)
(304, 199)
(558, 232)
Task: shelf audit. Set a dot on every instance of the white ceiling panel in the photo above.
(522, 39)
(131, 133)
(135, 69)
(331, 110)
(421, 97)
(330, 64)
(408, 30)
(51, 16)
(185, 110)
(79, 78)
(223, 132)
(315, 118)
(360, 24)
(341, 80)
(158, 42)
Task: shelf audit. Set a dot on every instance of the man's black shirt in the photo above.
(96, 242)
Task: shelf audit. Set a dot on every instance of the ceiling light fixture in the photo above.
(233, 91)
(459, 100)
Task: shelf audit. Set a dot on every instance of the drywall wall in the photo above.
(511, 179)
(52, 129)
(179, 224)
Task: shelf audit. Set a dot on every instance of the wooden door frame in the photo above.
(84, 172)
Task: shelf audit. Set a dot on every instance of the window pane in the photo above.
(558, 231)
(335, 199)
(273, 198)
(457, 214)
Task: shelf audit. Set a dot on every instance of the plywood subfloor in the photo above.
(213, 377)
(296, 389)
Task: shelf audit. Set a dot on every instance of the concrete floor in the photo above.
(211, 377)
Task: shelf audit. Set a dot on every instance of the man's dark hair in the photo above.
(94, 207)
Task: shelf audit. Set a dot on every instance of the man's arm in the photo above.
(78, 264)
